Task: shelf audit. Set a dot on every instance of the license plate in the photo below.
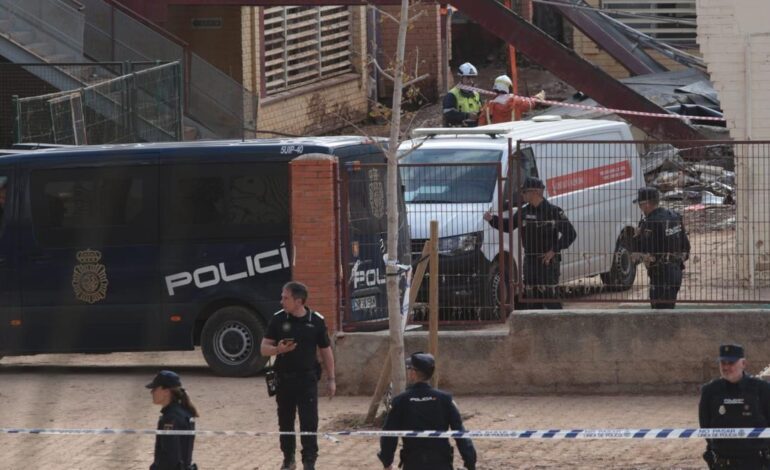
(363, 303)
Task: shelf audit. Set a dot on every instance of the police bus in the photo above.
(150, 247)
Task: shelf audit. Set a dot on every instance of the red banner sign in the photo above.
(588, 178)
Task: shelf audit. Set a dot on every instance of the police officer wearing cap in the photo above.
(545, 232)
(664, 246)
(424, 408)
(295, 334)
(177, 413)
(736, 400)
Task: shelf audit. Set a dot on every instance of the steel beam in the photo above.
(603, 32)
(573, 69)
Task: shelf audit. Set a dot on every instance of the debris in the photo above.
(710, 198)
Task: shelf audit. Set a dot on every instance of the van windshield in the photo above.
(450, 175)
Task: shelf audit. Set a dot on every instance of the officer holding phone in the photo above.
(294, 335)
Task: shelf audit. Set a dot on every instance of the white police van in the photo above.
(593, 182)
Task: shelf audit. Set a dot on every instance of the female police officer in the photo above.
(178, 413)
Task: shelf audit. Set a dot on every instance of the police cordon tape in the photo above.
(605, 434)
(598, 108)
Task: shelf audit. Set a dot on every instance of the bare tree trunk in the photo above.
(398, 373)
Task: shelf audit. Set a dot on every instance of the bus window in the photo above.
(105, 206)
(226, 201)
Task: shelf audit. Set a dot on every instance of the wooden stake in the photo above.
(433, 297)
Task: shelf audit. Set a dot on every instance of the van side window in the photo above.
(104, 206)
(225, 201)
(527, 167)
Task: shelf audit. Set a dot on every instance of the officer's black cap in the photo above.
(730, 352)
(422, 362)
(647, 194)
(532, 183)
(165, 379)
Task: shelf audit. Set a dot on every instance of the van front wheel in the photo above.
(496, 292)
(230, 342)
(622, 274)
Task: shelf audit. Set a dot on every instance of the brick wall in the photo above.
(315, 232)
(423, 47)
(309, 110)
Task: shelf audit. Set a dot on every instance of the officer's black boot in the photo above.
(308, 465)
(288, 463)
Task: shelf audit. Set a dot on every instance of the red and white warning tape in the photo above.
(598, 108)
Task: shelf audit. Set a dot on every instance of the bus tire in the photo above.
(622, 274)
(231, 340)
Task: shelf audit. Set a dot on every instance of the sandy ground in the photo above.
(106, 391)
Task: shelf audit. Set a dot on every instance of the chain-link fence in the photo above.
(141, 106)
(589, 242)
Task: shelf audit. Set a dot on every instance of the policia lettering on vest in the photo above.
(735, 400)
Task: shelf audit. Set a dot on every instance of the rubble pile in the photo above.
(701, 185)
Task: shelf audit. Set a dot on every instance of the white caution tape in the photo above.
(598, 108)
(603, 434)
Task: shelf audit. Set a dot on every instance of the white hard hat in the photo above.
(503, 83)
(467, 70)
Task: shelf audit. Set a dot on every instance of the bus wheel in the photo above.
(622, 274)
(230, 342)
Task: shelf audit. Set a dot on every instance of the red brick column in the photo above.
(315, 232)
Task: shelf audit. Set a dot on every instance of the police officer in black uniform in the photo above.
(424, 408)
(294, 334)
(736, 400)
(178, 413)
(545, 232)
(664, 246)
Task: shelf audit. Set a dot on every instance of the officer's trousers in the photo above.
(427, 460)
(298, 394)
(540, 281)
(665, 281)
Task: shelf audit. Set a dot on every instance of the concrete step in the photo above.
(43, 49)
(23, 37)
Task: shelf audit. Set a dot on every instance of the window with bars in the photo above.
(658, 19)
(305, 44)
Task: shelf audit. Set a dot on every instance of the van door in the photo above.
(90, 256)
(9, 286)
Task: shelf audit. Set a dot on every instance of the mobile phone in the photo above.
(289, 340)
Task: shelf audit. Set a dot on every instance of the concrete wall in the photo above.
(621, 351)
(735, 40)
